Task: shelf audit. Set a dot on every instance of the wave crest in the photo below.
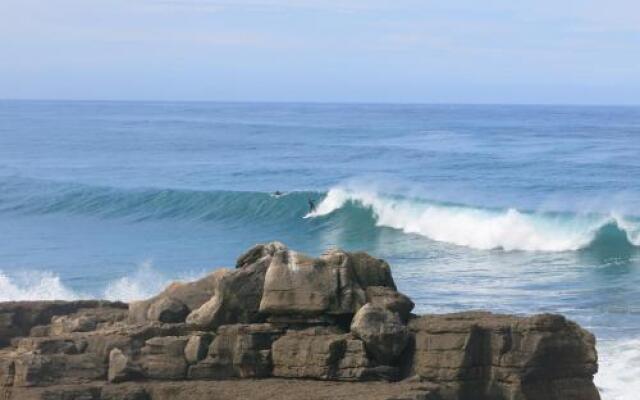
(507, 229)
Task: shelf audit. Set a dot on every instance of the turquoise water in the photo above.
(511, 208)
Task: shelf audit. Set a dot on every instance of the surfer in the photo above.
(277, 194)
(312, 206)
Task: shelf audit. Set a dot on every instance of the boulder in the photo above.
(168, 310)
(371, 271)
(191, 294)
(237, 298)
(390, 299)
(197, 347)
(121, 368)
(333, 284)
(258, 252)
(384, 334)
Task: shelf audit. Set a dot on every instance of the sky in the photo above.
(406, 51)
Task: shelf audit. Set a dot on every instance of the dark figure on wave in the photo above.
(277, 194)
(312, 206)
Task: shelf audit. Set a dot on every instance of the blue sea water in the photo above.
(510, 208)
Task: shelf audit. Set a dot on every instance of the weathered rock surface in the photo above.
(333, 284)
(238, 351)
(191, 294)
(490, 356)
(18, 318)
(384, 334)
(280, 314)
(390, 299)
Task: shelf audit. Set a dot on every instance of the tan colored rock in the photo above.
(371, 271)
(197, 347)
(543, 357)
(18, 318)
(238, 351)
(312, 353)
(384, 334)
(120, 369)
(191, 294)
(258, 253)
(167, 310)
(76, 348)
(32, 369)
(237, 298)
(326, 353)
(162, 358)
(334, 283)
(390, 299)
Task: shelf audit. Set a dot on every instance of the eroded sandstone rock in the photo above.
(479, 355)
(390, 299)
(283, 314)
(332, 284)
(191, 294)
(238, 351)
(383, 332)
(168, 310)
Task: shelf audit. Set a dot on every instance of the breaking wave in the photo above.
(480, 228)
(475, 227)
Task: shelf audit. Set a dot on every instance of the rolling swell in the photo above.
(474, 227)
(30, 196)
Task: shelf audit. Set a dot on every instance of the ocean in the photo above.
(518, 209)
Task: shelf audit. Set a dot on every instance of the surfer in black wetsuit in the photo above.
(312, 206)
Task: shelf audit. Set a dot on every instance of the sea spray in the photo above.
(480, 228)
(142, 283)
(619, 369)
(34, 285)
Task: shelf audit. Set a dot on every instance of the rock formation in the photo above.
(293, 322)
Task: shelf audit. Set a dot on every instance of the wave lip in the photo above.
(478, 228)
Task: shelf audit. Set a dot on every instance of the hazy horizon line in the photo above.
(322, 102)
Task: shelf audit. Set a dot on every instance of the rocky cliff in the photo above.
(284, 325)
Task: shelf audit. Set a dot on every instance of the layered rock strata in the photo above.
(281, 316)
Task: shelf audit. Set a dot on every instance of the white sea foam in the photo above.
(34, 286)
(478, 228)
(143, 283)
(619, 370)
